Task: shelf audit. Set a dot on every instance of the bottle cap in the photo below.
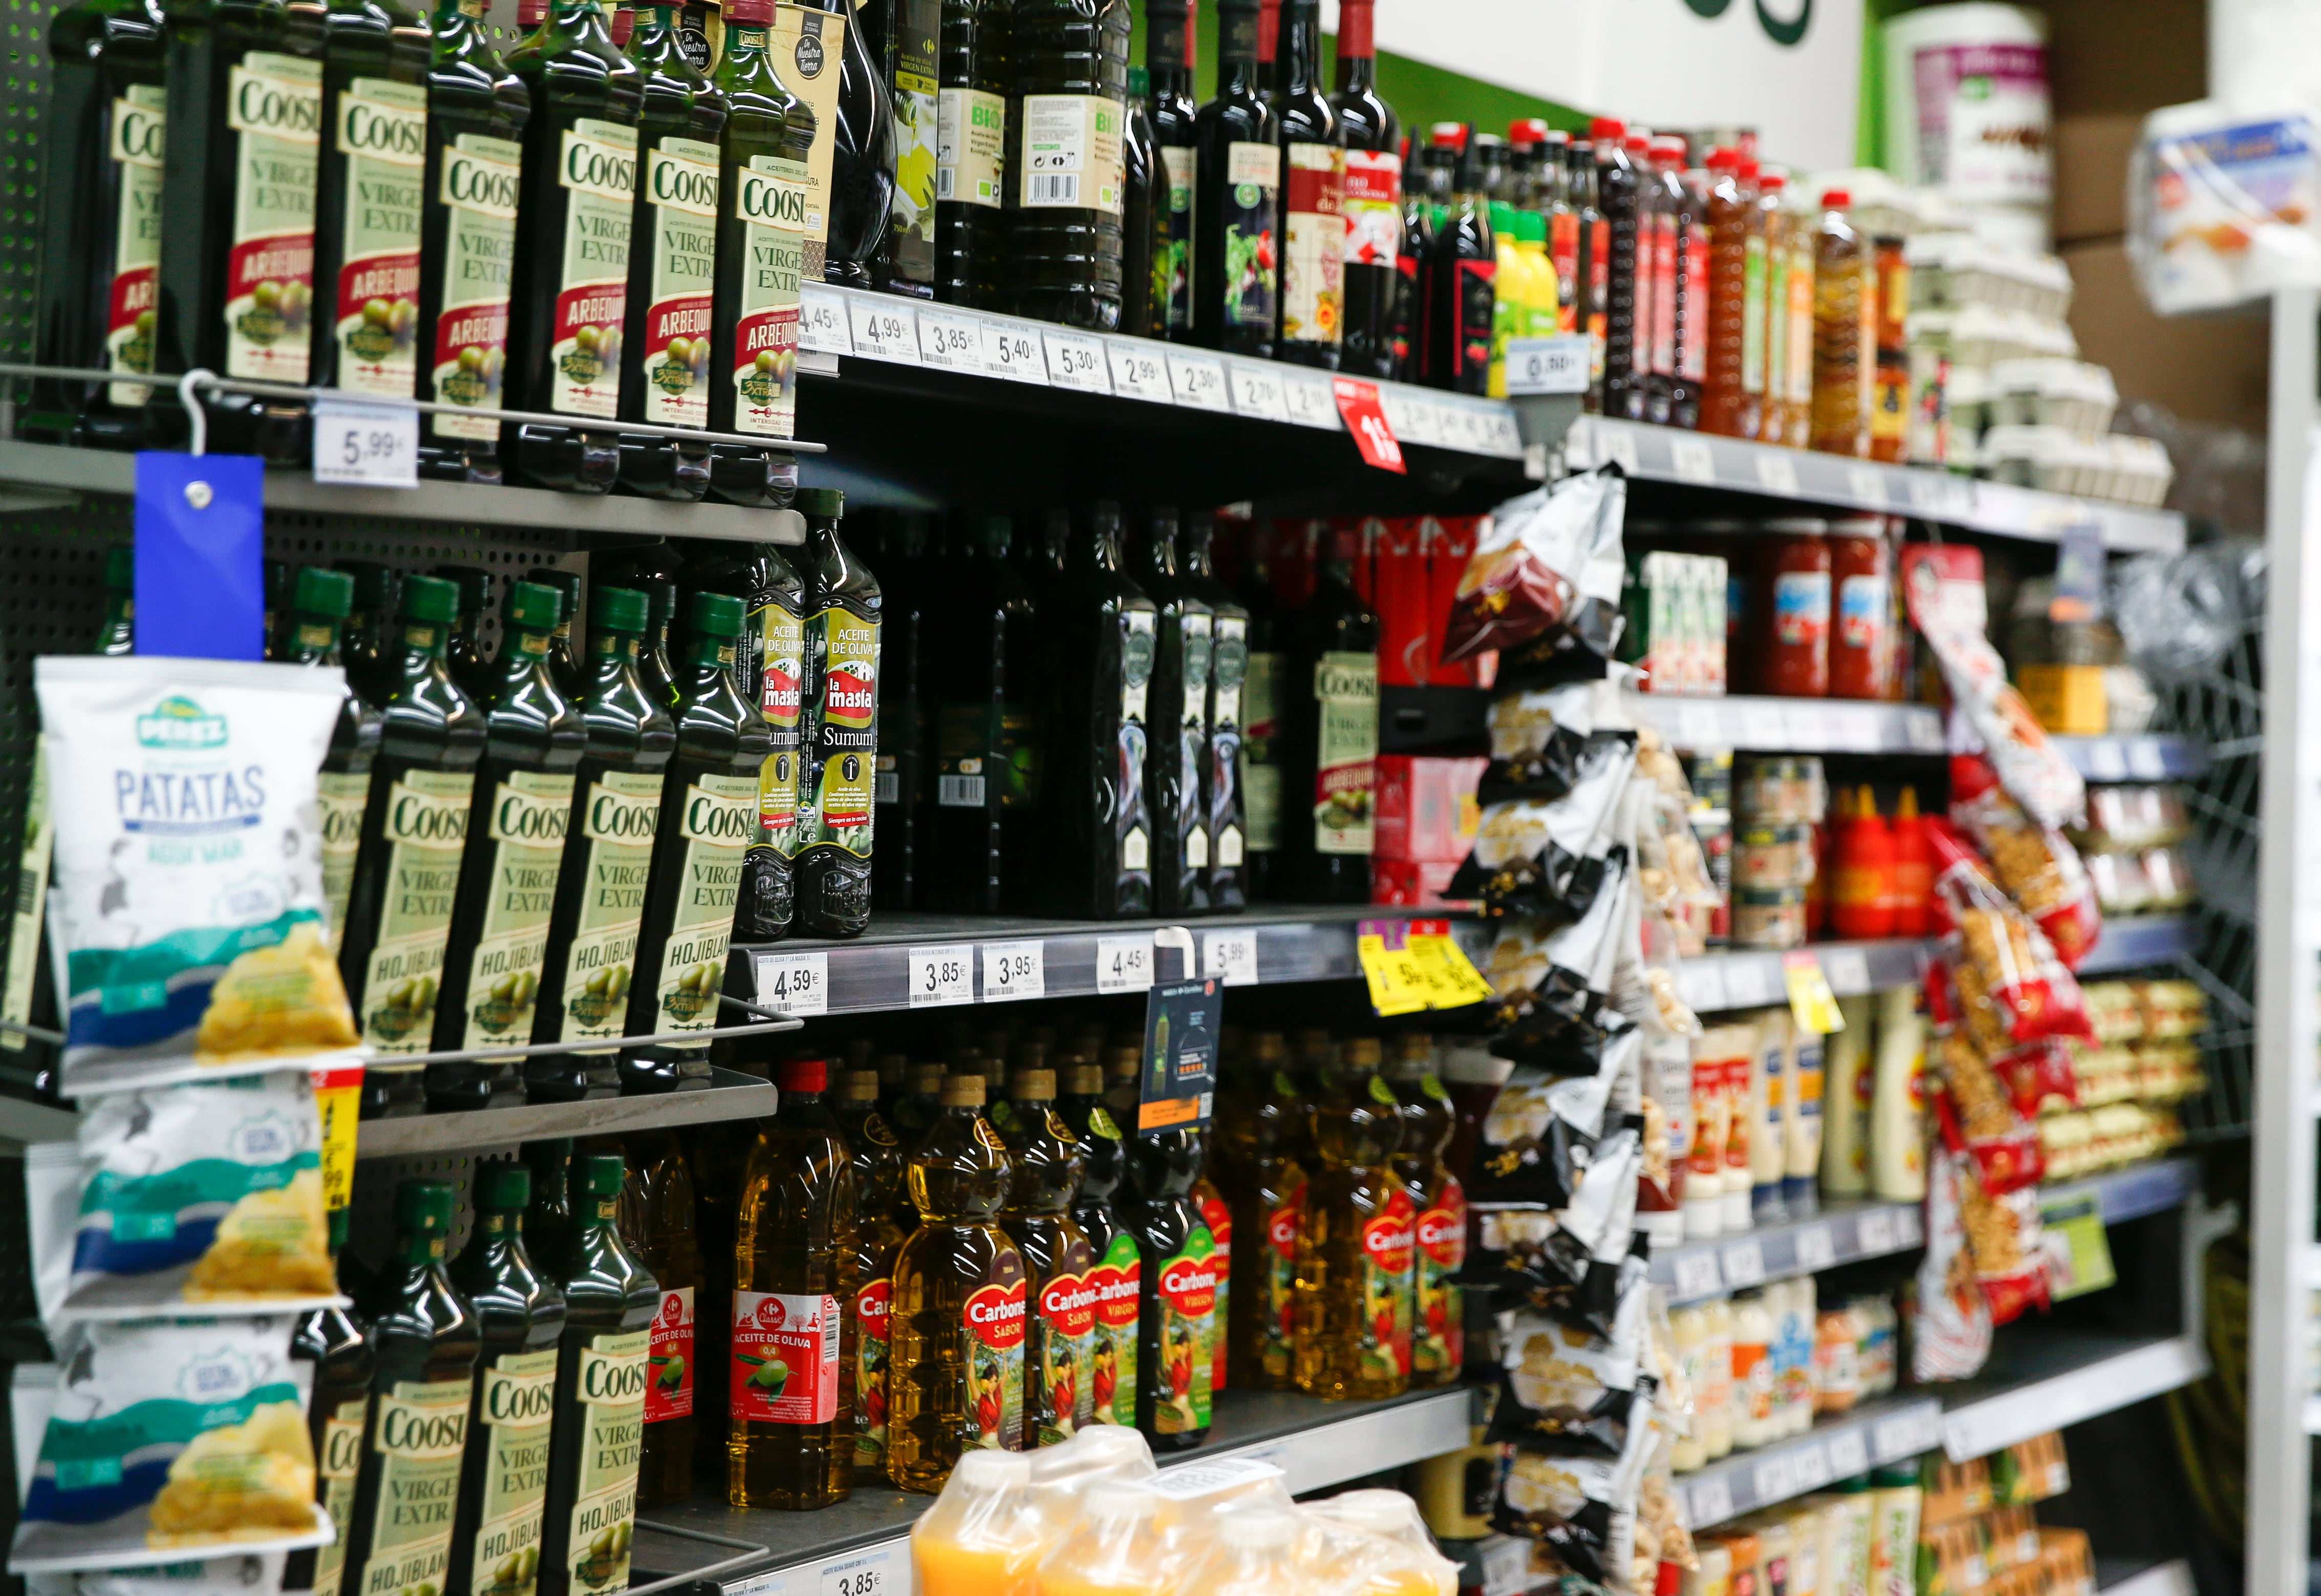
(1116, 1499)
(715, 615)
(602, 1176)
(1502, 217)
(1267, 1047)
(422, 1207)
(1256, 1529)
(1526, 130)
(993, 1471)
(1557, 139)
(825, 503)
(1772, 179)
(1607, 127)
(1531, 227)
(1669, 144)
(530, 13)
(1746, 165)
(534, 605)
(1084, 1080)
(1448, 135)
(322, 591)
(430, 599)
(963, 1091)
(750, 14)
(566, 582)
(1123, 1062)
(1722, 159)
(1359, 1052)
(617, 609)
(1033, 1085)
(803, 1074)
(475, 585)
(1638, 143)
(928, 1078)
(1837, 199)
(860, 1086)
(660, 600)
(1139, 82)
(504, 1187)
(624, 27)
(893, 1067)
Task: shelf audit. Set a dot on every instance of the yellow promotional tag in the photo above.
(1810, 998)
(1457, 982)
(338, 1094)
(1396, 987)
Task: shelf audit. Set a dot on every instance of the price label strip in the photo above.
(1013, 350)
(1015, 970)
(1140, 370)
(1693, 461)
(1124, 963)
(1078, 362)
(1199, 381)
(1811, 1001)
(1696, 1275)
(1257, 392)
(949, 341)
(1398, 984)
(866, 1573)
(1311, 400)
(939, 977)
(1712, 1502)
(1816, 1249)
(366, 445)
(1231, 956)
(1873, 1233)
(822, 321)
(1743, 1264)
(885, 328)
(2078, 1253)
(1848, 1457)
(797, 984)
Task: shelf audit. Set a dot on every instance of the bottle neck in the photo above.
(744, 38)
(313, 640)
(1168, 47)
(1104, 546)
(1237, 65)
(419, 1250)
(1197, 554)
(426, 637)
(1300, 69)
(707, 653)
(608, 651)
(1357, 46)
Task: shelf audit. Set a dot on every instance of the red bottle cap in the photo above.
(1605, 127)
(625, 27)
(1772, 180)
(1746, 165)
(802, 1075)
(1837, 199)
(1448, 135)
(1669, 147)
(1529, 130)
(530, 13)
(750, 14)
(1638, 143)
(1721, 159)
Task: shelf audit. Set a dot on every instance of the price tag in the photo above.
(1816, 1249)
(951, 340)
(1199, 381)
(1140, 370)
(1808, 726)
(1743, 1264)
(2145, 759)
(1078, 362)
(794, 983)
(1013, 971)
(885, 328)
(1257, 392)
(1874, 1231)
(1012, 349)
(2104, 760)
(1924, 729)
(1848, 970)
(1696, 1275)
(1905, 1434)
(1777, 473)
(822, 320)
(1617, 445)
(1811, 1464)
(1452, 973)
(1231, 956)
(1774, 1480)
(1811, 1002)
(940, 977)
(1397, 986)
(866, 1573)
(1364, 412)
(1693, 460)
(1748, 981)
(1556, 365)
(1868, 486)
(1124, 963)
(366, 445)
(1696, 728)
(1311, 400)
(1703, 986)
(1712, 1502)
(1855, 729)
(1925, 491)
(1847, 1455)
(1909, 1227)
(1762, 724)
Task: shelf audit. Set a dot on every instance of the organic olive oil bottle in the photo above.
(1259, 1108)
(376, 54)
(1438, 1332)
(1178, 716)
(1168, 68)
(504, 1488)
(971, 153)
(839, 724)
(867, 1267)
(957, 1376)
(656, 1217)
(788, 1446)
(1067, 117)
(425, 1338)
(318, 604)
(571, 268)
(337, 1342)
(1059, 1348)
(586, 972)
(1178, 1325)
(1115, 1276)
(534, 737)
(601, 1369)
(1354, 1239)
(414, 829)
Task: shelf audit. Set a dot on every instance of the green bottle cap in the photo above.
(422, 1207)
(430, 599)
(121, 567)
(504, 1188)
(534, 605)
(566, 582)
(322, 591)
(827, 503)
(618, 609)
(602, 1173)
(1531, 227)
(340, 1221)
(1139, 82)
(1502, 217)
(717, 615)
(374, 585)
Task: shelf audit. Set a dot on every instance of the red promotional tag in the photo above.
(1358, 402)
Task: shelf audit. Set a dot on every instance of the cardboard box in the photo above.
(1426, 809)
(2211, 368)
(1398, 593)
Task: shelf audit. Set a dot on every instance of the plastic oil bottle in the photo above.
(1733, 395)
(1623, 255)
(1845, 332)
(970, 169)
(1267, 1189)
(956, 1380)
(1068, 106)
(657, 1220)
(867, 1267)
(1115, 1266)
(1355, 1238)
(1176, 1357)
(1059, 1320)
(1438, 1333)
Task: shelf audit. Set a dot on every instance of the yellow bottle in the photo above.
(983, 1538)
(1542, 311)
(1845, 333)
(1117, 1548)
(1260, 1116)
(1356, 1240)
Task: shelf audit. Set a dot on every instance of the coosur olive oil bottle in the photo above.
(338, 1414)
(609, 1302)
(533, 736)
(840, 726)
(100, 220)
(318, 604)
(1179, 740)
(366, 203)
(658, 1217)
(414, 829)
(1103, 682)
(600, 890)
(1066, 163)
(971, 153)
(570, 273)
(425, 1338)
(504, 1489)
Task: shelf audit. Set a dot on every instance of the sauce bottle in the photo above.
(906, 607)
(658, 1223)
(1559, 196)
(1220, 760)
(376, 56)
(987, 746)
(1066, 120)
(1107, 645)
(1796, 663)
(907, 258)
(956, 1382)
(1236, 199)
(971, 155)
(863, 154)
(1845, 324)
(1044, 1174)
(586, 967)
(1773, 223)
(1373, 246)
(1889, 421)
(1753, 1421)
(610, 1301)
(837, 726)
(1169, 71)
(1625, 258)
(1862, 641)
(1331, 731)
(504, 1484)
(1438, 1337)
(1862, 900)
(1266, 1187)
(1914, 868)
(1656, 253)
(1176, 1357)
(1692, 241)
(1425, 186)
(1729, 401)
(319, 602)
(567, 304)
(534, 737)
(1462, 272)
(399, 905)
(1354, 1239)
(867, 1267)
(1312, 300)
(1178, 710)
(1115, 1266)
(337, 1342)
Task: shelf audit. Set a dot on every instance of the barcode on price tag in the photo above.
(1012, 349)
(1712, 1502)
(939, 977)
(1847, 1455)
(1693, 461)
(866, 1573)
(366, 445)
(794, 983)
(1816, 1248)
(1696, 1274)
(1199, 381)
(1140, 371)
(1076, 361)
(1777, 473)
(1257, 392)
(1875, 1231)
(885, 328)
(1014, 971)
(1231, 956)
(1743, 1264)
(1124, 963)
(949, 340)
(822, 321)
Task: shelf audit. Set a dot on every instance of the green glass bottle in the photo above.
(414, 829)
(471, 667)
(425, 1338)
(1182, 1281)
(609, 1302)
(368, 640)
(117, 635)
(839, 727)
(365, 326)
(981, 835)
(338, 1343)
(1179, 722)
(563, 655)
(1228, 654)
(551, 1213)
(319, 601)
(1067, 121)
(600, 892)
(1168, 66)
(906, 257)
(503, 1490)
(971, 154)
(1101, 818)
(533, 736)
(655, 666)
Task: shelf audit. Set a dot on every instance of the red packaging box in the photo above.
(1398, 593)
(1406, 884)
(1426, 809)
(1447, 543)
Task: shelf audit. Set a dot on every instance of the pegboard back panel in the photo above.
(370, 1221)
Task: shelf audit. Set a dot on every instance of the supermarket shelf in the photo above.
(2134, 758)
(1889, 1430)
(104, 471)
(1314, 1444)
(2122, 1577)
(1744, 980)
(1789, 725)
(2131, 944)
(1657, 454)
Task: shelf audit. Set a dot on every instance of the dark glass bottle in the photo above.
(1067, 119)
(425, 1338)
(915, 1105)
(532, 741)
(837, 726)
(588, 967)
(1329, 732)
(1177, 1329)
(1461, 296)
(863, 155)
(370, 640)
(987, 746)
(503, 1485)
(658, 1221)
(1179, 708)
(470, 667)
(1424, 192)
(1105, 636)
(476, 113)
(318, 603)
(610, 1299)
(563, 656)
(656, 667)
(1144, 197)
(672, 276)
(567, 306)
(1168, 54)
(971, 154)
(414, 829)
(1059, 1318)
(1221, 758)
(867, 1267)
(1115, 1275)
(101, 159)
(1618, 184)
(1261, 748)
(907, 608)
(1592, 268)
(914, 30)
(551, 1213)
(337, 1342)
(365, 325)
(1312, 305)
(1689, 204)
(116, 634)
(1373, 196)
(1236, 198)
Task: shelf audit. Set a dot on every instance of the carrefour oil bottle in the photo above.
(1354, 1239)
(1115, 1266)
(658, 1221)
(1259, 1108)
(1176, 1357)
(1058, 1359)
(1438, 1331)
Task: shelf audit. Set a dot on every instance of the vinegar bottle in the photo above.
(1069, 106)
(1115, 1265)
(1462, 270)
(1313, 202)
(1804, 242)
(1144, 201)
(1266, 1187)
(1106, 639)
(1774, 222)
(1729, 401)
(1060, 1346)
(1617, 197)
(1175, 1355)
(1845, 321)
(1691, 287)
(1227, 720)
(1354, 1239)
(866, 1269)
(658, 1221)
(1438, 1335)
(1656, 268)
(1330, 727)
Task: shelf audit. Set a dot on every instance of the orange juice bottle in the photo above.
(1060, 1322)
(1116, 1549)
(1259, 1115)
(1438, 1331)
(983, 1538)
(1254, 1554)
(1355, 1239)
(955, 1359)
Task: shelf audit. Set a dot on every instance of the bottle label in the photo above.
(914, 30)
(669, 1391)
(425, 829)
(25, 944)
(1313, 263)
(845, 647)
(1194, 651)
(1438, 1344)
(1692, 344)
(1663, 269)
(810, 44)
(993, 1319)
(1278, 1285)
(1118, 1283)
(1864, 605)
(1261, 778)
(1752, 315)
(339, 1467)
(718, 823)
(611, 1393)
(966, 775)
(1345, 693)
(970, 147)
(1889, 410)
(517, 1407)
(873, 1310)
(1073, 154)
(778, 778)
(1219, 1219)
(1563, 255)
(1478, 307)
(1248, 212)
(785, 1358)
(421, 1438)
(1373, 207)
(140, 121)
(1187, 1293)
(481, 176)
(1753, 1378)
(773, 202)
(1172, 251)
(1801, 328)
(1139, 643)
(598, 170)
(1228, 674)
(1801, 609)
(1389, 1244)
(274, 103)
(1060, 1384)
(1599, 290)
(342, 796)
(680, 177)
(531, 812)
(618, 818)
(382, 133)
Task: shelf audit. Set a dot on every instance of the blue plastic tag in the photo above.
(201, 550)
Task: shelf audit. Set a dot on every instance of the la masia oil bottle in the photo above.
(839, 727)
(1115, 1266)
(1059, 1320)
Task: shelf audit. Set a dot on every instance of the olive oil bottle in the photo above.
(907, 258)
(839, 725)
(1067, 121)
(337, 1342)
(1059, 1320)
(867, 1267)
(1115, 1276)
(571, 266)
(563, 655)
(534, 737)
(414, 830)
(318, 604)
(610, 1300)
(376, 55)
(907, 603)
(1178, 1325)
(1259, 1110)
(425, 1338)
(1180, 721)
(469, 665)
(116, 634)
(551, 1213)
(862, 194)
(370, 638)
(656, 1217)
(586, 969)
(958, 1325)
(1352, 1315)
(1144, 198)
(503, 1485)
(1329, 713)
(1101, 816)
(1221, 789)
(1438, 1201)
(971, 153)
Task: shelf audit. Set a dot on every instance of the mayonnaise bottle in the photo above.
(1897, 1100)
(1801, 1122)
(1768, 1092)
(1688, 1339)
(1714, 1396)
(1755, 1374)
(1845, 1105)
